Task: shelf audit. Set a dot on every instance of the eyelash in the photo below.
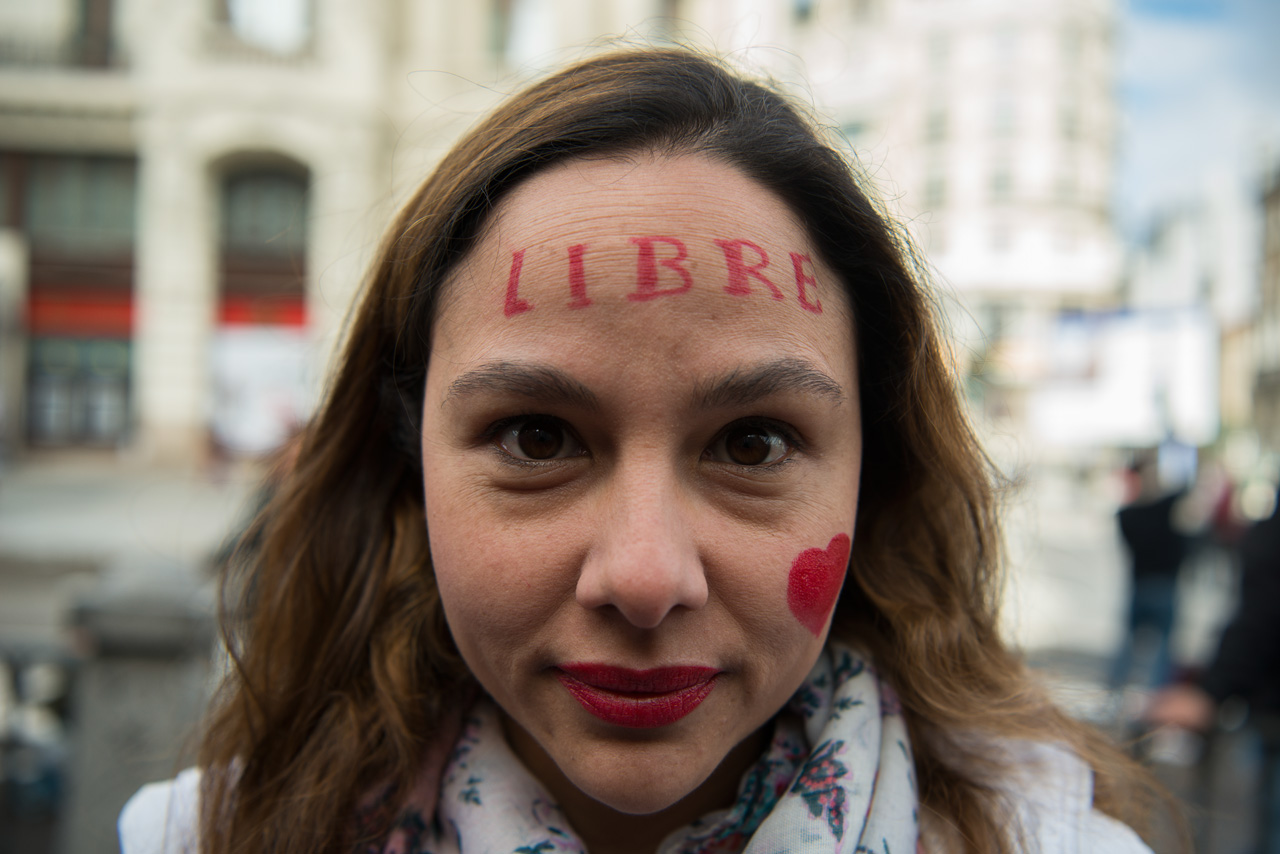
(792, 442)
(493, 437)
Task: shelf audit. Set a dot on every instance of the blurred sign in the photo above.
(1129, 379)
(261, 386)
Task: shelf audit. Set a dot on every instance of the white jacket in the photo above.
(1051, 790)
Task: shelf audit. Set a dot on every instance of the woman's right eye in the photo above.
(537, 439)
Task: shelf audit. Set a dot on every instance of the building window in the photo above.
(1069, 119)
(81, 205)
(1004, 116)
(1004, 43)
(667, 23)
(1001, 182)
(939, 50)
(1066, 186)
(499, 28)
(77, 391)
(281, 27)
(935, 186)
(935, 124)
(263, 246)
(264, 212)
(521, 31)
(59, 32)
(865, 10)
(1071, 44)
(78, 216)
(259, 354)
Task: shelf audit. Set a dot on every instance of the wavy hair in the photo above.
(343, 664)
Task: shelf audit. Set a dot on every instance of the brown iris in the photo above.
(750, 446)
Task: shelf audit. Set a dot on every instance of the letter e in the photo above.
(803, 280)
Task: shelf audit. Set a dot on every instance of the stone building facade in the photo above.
(192, 190)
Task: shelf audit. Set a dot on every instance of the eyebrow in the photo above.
(532, 381)
(741, 387)
(738, 388)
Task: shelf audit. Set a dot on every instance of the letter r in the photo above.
(739, 271)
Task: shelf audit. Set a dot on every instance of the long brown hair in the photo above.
(344, 666)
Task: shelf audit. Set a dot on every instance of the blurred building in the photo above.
(1199, 264)
(190, 191)
(990, 128)
(161, 165)
(1267, 351)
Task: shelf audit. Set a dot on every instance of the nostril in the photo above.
(642, 595)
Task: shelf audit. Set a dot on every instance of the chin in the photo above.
(641, 793)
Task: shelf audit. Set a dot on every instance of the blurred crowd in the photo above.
(1176, 515)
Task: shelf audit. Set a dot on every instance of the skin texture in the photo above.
(644, 540)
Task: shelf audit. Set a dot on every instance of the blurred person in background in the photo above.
(637, 617)
(1157, 546)
(1246, 668)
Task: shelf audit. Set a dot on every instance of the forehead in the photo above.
(643, 252)
(635, 194)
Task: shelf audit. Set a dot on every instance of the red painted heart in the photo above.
(814, 583)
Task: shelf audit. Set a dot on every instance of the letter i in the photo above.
(515, 304)
(577, 277)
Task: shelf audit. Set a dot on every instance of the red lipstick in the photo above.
(637, 698)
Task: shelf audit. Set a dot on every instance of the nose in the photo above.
(644, 560)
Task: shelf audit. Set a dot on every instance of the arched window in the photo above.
(259, 359)
(279, 27)
(262, 245)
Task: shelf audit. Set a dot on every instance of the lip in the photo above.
(642, 699)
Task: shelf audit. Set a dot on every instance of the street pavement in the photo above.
(69, 524)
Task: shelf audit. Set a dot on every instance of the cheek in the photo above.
(814, 582)
(495, 580)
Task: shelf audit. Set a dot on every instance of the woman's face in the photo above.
(641, 448)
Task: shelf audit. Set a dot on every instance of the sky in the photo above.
(1199, 88)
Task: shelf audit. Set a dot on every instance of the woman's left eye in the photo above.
(750, 444)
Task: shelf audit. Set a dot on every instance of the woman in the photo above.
(710, 551)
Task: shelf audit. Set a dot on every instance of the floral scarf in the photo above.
(837, 777)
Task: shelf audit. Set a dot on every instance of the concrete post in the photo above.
(139, 694)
